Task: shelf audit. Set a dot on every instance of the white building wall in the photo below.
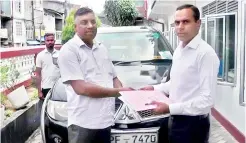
(199, 4)
(227, 99)
(16, 14)
(49, 23)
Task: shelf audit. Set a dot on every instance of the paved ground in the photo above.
(218, 134)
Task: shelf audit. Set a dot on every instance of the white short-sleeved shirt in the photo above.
(79, 62)
(49, 72)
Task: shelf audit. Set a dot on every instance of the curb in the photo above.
(21, 124)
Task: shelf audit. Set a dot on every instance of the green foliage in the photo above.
(3, 98)
(98, 21)
(9, 75)
(34, 95)
(8, 112)
(68, 30)
(33, 76)
(120, 12)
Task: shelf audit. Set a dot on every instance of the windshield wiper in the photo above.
(152, 61)
(126, 62)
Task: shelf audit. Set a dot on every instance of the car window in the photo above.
(131, 46)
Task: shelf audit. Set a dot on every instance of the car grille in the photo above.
(146, 114)
(117, 106)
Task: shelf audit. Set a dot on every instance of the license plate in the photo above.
(134, 138)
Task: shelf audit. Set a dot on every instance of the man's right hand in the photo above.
(150, 87)
(123, 89)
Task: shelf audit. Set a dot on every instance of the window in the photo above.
(18, 6)
(221, 35)
(220, 6)
(18, 29)
(58, 35)
(202, 29)
(29, 32)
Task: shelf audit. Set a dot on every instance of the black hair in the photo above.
(48, 34)
(196, 12)
(83, 11)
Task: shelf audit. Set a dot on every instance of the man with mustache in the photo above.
(47, 72)
(91, 83)
(192, 84)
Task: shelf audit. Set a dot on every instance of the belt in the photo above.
(189, 117)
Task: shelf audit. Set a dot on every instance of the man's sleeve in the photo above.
(163, 87)
(69, 65)
(208, 70)
(38, 61)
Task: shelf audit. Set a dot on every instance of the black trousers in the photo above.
(188, 129)
(163, 131)
(78, 134)
(45, 91)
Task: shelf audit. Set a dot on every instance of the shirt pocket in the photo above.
(88, 69)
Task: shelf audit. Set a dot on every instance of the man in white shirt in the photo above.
(192, 84)
(90, 82)
(47, 72)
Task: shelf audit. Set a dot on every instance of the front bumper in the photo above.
(56, 129)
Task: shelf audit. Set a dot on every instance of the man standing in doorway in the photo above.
(192, 83)
(91, 83)
(47, 72)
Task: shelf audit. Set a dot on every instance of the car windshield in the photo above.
(134, 46)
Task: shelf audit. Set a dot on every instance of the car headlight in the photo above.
(57, 110)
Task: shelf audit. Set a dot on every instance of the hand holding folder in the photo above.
(140, 100)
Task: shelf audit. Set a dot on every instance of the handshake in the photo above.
(130, 88)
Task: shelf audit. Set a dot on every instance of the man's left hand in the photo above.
(162, 108)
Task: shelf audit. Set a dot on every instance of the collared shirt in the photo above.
(49, 72)
(79, 62)
(193, 79)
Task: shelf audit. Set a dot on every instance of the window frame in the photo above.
(242, 100)
(18, 24)
(29, 32)
(173, 38)
(226, 83)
